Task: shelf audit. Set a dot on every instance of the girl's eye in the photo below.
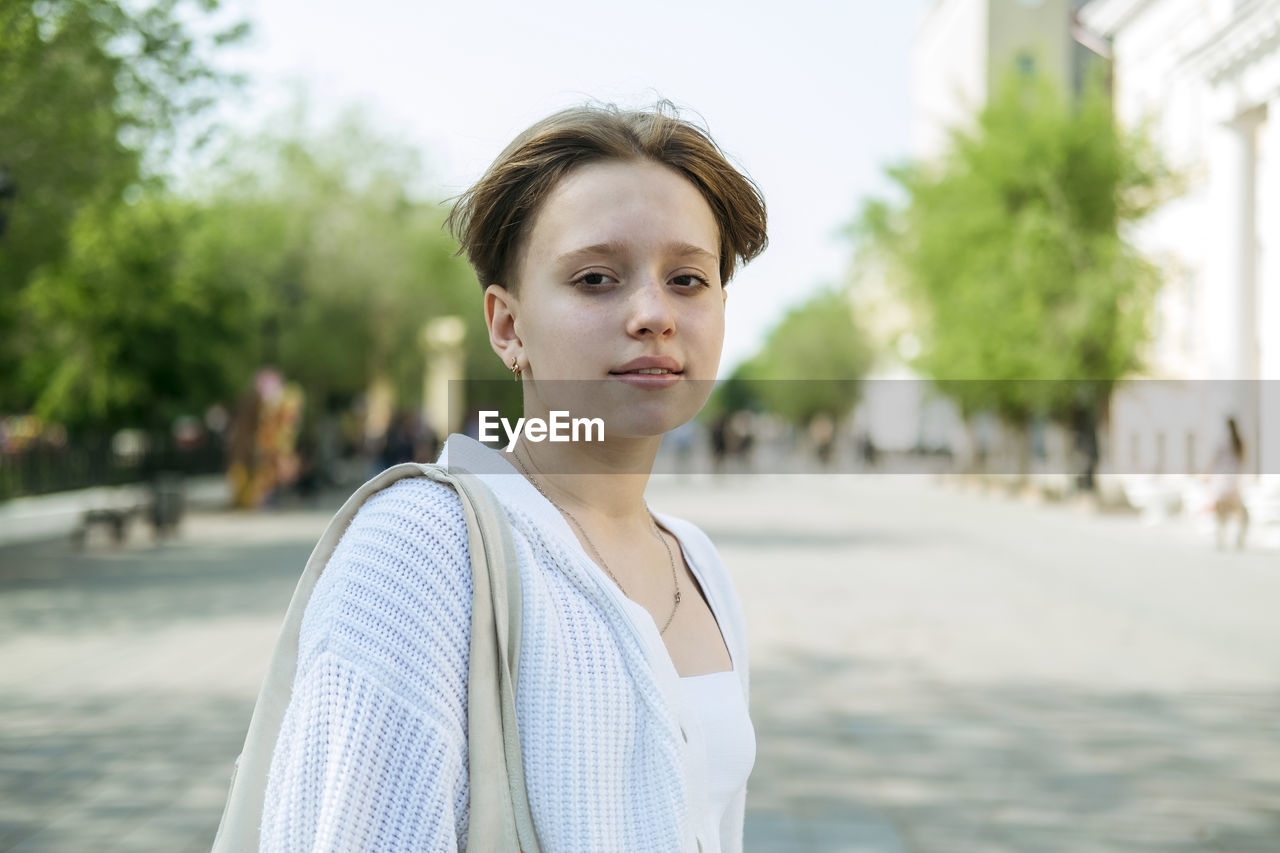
(687, 281)
(691, 281)
(591, 279)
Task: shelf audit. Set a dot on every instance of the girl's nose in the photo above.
(651, 310)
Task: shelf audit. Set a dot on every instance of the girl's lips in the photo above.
(649, 380)
(650, 362)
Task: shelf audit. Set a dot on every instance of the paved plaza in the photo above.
(932, 671)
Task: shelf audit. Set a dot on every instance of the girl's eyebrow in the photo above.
(616, 248)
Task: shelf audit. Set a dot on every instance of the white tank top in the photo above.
(725, 742)
(721, 735)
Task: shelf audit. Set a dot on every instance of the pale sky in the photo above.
(810, 98)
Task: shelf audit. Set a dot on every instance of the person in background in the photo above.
(1224, 482)
(399, 443)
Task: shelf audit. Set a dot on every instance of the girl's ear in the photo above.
(500, 309)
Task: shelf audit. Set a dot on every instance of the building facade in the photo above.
(1203, 77)
(963, 47)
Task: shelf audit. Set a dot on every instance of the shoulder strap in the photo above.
(500, 816)
(494, 567)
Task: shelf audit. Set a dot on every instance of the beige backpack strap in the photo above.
(492, 556)
(500, 816)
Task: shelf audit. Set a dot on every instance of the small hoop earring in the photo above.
(516, 369)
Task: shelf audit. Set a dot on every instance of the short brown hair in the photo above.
(492, 219)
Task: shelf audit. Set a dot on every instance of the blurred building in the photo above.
(962, 48)
(1203, 76)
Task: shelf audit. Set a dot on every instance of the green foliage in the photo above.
(136, 326)
(123, 301)
(809, 365)
(305, 252)
(88, 89)
(351, 267)
(1011, 250)
(736, 393)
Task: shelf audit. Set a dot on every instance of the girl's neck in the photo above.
(601, 479)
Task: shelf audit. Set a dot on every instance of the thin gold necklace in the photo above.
(600, 559)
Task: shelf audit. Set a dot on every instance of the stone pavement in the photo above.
(934, 671)
(931, 671)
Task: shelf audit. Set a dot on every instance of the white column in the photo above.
(442, 407)
(1231, 291)
(1268, 316)
(1232, 251)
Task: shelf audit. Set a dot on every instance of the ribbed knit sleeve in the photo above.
(372, 751)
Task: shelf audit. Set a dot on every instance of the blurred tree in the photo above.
(306, 251)
(736, 393)
(351, 264)
(138, 326)
(1011, 250)
(810, 365)
(89, 90)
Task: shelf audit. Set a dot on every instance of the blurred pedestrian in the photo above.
(682, 438)
(822, 435)
(867, 449)
(426, 442)
(742, 438)
(1085, 427)
(399, 443)
(248, 477)
(721, 439)
(1225, 475)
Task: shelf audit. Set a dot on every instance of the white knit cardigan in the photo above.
(372, 753)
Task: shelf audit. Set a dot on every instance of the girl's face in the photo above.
(619, 274)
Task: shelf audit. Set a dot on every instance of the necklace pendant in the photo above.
(677, 596)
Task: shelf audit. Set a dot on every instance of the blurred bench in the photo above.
(162, 503)
(115, 518)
